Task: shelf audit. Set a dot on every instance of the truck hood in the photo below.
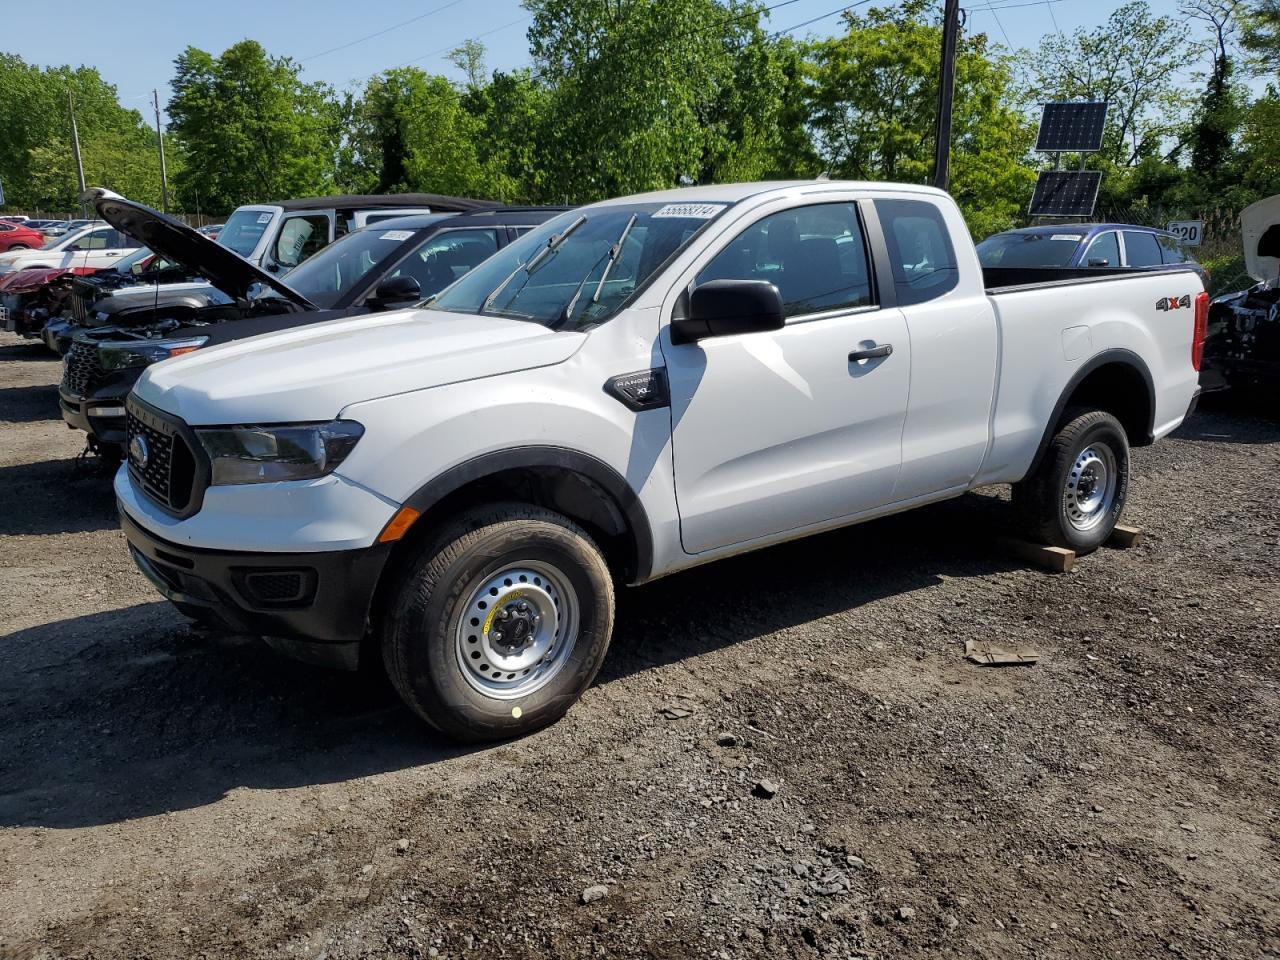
(1260, 226)
(175, 241)
(312, 373)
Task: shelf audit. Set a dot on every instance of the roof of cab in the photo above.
(512, 215)
(734, 192)
(1084, 229)
(435, 201)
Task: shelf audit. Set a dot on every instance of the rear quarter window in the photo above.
(920, 251)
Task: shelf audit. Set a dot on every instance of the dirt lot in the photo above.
(167, 794)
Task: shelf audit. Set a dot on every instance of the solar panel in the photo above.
(1065, 193)
(1071, 127)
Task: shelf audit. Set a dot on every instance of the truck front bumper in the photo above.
(311, 606)
(102, 417)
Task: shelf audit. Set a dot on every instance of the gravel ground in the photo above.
(786, 754)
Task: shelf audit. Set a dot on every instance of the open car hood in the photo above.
(1260, 226)
(175, 241)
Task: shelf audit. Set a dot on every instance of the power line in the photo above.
(822, 16)
(394, 26)
(1004, 33)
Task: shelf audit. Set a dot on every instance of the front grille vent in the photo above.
(82, 372)
(160, 459)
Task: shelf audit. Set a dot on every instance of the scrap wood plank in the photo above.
(1125, 536)
(987, 653)
(1056, 559)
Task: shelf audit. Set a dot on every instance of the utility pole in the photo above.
(164, 174)
(75, 146)
(946, 91)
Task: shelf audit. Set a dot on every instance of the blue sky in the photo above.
(133, 45)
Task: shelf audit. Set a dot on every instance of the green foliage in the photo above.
(873, 94)
(251, 128)
(645, 94)
(1262, 35)
(117, 147)
(1127, 61)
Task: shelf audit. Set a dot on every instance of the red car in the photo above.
(16, 236)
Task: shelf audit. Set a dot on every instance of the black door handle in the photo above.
(872, 353)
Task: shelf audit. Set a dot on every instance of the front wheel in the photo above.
(500, 623)
(1076, 495)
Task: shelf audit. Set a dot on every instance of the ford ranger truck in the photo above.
(634, 388)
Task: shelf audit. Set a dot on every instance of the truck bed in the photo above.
(1009, 279)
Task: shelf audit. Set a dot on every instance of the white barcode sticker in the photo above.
(689, 211)
(1066, 236)
(264, 218)
(397, 235)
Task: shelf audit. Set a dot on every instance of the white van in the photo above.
(279, 236)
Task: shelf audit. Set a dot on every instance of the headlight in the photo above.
(267, 454)
(143, 353)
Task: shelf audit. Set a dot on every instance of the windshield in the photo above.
(244, 229)
(1029, 249)
(580, 268)
(337, 269)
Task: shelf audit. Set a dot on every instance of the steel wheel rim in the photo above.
(1090, 490)
(517, 629)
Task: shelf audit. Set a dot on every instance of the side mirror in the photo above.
(1099, 262)
(396, 290)
(721, 308)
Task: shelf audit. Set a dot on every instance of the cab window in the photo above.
(446, 257)
(1141, 249)
(1172, 250)
(1105, 247)
(920, 252)
(101, 240)
(300, 237)
(814, 255)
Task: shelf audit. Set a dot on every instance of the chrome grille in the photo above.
(81, 370)
(82, 299)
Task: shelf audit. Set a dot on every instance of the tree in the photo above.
(646, 94)
(252, 130)
(117, 146)
(412, 131)
(872, 96)
(1217, 120)
(1129, 62)
(1262, 35)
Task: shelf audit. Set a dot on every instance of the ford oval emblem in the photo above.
(139, 452)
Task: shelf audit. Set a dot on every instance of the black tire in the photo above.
(1042, 498)
(420, 644)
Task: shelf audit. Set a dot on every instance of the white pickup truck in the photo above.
(634, 388)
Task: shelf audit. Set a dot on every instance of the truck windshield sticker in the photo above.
(264, 218)
(397, 235)
(689, 211)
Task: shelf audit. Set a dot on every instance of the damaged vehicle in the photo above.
(1243, 345)
(127, 294)
(393, 263)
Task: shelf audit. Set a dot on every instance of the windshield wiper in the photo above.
(552, 245)
(612, 254)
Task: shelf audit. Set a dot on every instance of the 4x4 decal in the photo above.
(1174, 303)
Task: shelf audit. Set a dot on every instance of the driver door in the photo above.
(779, 430)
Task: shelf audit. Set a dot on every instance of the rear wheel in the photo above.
(500, 623)
(1076, 495)
(19, 246)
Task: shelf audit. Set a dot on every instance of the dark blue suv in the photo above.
(1087, 245)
